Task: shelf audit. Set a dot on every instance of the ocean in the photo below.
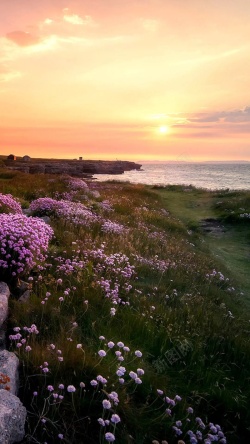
(211, 176)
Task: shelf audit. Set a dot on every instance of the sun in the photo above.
(164, 129)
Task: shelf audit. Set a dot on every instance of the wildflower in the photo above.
(71, 389)
(102, 353)
(112, 227)
(190, 410)
(121, 371)
(79, 346)
(118, 353)
(110, 344)
(61, 386)
(115, 418)
(114, 397)
(101, 379)
(213, 429)
(94, 383)
(138, 381)
(160, 392)
(120, 344)
(199, 435)
(140, 371)
(82, 385)
(138, 353)
(106, 404)
(50, 388)
(26, 239)
(126, 349)
(101, 422)
(35, 393)
(177, 430)
(8, 204)
(102, 338)
(16, 329)
(132, 375)
(60, 436)
(109, 437)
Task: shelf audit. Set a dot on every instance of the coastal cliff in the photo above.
(76, 168)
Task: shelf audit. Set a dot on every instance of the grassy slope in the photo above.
(167, 309)
(231, 247)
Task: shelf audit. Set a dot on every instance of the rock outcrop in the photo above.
(75, 168)
(12, 411)
(12, 418)
(4, 297)
(9, 364)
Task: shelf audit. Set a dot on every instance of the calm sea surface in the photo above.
(212, 176)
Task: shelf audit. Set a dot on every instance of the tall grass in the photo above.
(152, 287)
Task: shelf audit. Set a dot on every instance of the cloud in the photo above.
(240, 115)
(75, 19)
(208, 125)
(237, 115)
(48, 21)
(22, 38)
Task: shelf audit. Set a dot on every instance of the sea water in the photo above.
(212, 176)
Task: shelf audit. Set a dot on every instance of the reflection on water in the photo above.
(204, 175)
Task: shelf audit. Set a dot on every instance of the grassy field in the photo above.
(141, 315)
(231, 244)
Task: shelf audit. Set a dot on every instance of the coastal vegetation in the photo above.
(137, 325)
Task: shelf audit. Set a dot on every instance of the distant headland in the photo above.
(75, 168)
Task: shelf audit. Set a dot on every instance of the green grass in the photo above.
(192, 330)
(232, 247)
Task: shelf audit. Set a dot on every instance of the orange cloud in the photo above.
(22, 38)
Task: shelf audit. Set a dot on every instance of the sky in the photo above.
(129, 80)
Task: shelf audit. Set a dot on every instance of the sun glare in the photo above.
(163, 129)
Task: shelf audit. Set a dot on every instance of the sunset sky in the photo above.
(125, 79)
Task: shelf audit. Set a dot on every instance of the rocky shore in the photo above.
(75, 168)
